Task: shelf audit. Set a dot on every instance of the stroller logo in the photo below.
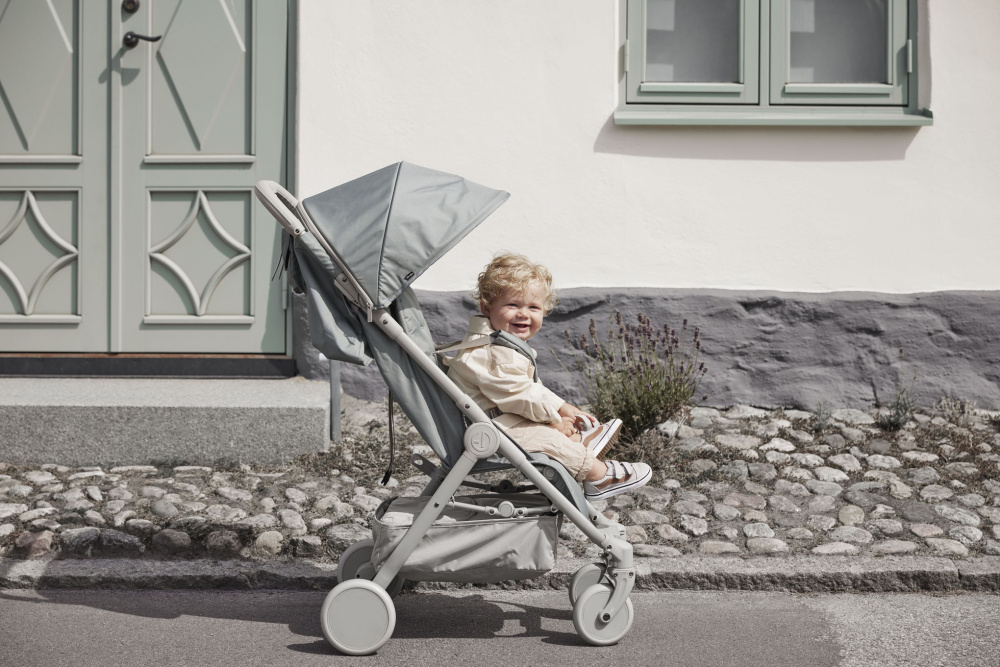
(407, 277)
(482, 440)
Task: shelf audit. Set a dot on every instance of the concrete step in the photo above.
(109, 421)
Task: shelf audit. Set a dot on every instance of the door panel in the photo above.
(200, 268)
(201, 96)
(127, 217)
(39, 78)
(39, 249)
(53, 177)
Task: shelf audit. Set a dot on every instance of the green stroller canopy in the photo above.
(384, 230)
(391, 225)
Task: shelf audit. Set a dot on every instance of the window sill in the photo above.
(648, 114)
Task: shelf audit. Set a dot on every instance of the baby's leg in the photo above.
(536, 437)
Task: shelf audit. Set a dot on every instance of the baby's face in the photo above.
(518, 313)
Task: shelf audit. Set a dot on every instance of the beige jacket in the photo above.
(499, 377)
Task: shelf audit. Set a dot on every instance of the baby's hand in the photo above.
(584, 421)
(565, 427)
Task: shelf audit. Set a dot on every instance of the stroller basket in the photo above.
(468, 546)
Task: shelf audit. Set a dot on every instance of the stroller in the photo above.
(354, 250)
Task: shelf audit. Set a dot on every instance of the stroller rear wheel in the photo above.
(584, 578)
(355, 563)
(587, 617)
(358, 617)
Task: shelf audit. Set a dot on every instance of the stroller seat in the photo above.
(353, 251)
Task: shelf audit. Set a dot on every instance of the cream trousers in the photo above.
(542, 438)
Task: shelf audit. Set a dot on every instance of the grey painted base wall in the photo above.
(768, 349)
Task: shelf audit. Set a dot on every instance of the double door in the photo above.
(131, 134)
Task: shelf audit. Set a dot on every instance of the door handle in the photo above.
(131, 39)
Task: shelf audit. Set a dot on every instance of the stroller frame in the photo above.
(358, 615)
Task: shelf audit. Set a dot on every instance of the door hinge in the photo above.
(626, 56)
(909, 56)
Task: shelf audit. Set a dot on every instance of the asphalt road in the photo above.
(472, 627)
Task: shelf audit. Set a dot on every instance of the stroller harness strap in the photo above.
(501, 338)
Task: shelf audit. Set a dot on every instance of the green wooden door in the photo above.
(139, 232)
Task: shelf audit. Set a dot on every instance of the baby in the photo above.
(514, 296)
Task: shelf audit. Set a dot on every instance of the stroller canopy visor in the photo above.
(391, 225)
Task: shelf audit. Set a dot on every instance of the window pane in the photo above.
(838, 41)
(692, 40)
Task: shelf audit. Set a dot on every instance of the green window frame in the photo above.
(642, 87)
(766, 92)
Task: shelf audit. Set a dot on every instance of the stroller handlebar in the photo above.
(280, 203)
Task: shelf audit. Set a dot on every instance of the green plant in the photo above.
(823, 416)
(959, 411)
(897, 414)
(995, 422)
(641, 374)
(899, 410)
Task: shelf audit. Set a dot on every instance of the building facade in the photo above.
(811, 183)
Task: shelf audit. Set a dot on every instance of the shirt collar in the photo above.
(479, 326)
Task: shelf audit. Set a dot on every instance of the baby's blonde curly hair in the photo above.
(515, 271)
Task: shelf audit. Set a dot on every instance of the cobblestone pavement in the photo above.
(737, 482)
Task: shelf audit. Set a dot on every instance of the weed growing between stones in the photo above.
(995, 422)
(641, 374)
(898, 411)
(823, 415)
(956, 410)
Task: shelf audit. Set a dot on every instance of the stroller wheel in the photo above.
(587, 617)
(585, 577)
(355, 563)
(353, 559)
(358, 617)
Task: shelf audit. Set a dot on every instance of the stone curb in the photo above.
(805, 574)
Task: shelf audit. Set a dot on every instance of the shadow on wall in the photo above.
(773, 144)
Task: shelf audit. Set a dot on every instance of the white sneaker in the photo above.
(601, 436)
(621, 477)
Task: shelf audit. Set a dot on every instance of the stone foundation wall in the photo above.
(769, 349)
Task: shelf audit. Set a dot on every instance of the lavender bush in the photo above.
(640, 374)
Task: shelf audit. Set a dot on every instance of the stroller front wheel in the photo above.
(358, 617)
(587, 617)
(584, 578)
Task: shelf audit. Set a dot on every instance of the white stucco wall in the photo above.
(518, 95)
